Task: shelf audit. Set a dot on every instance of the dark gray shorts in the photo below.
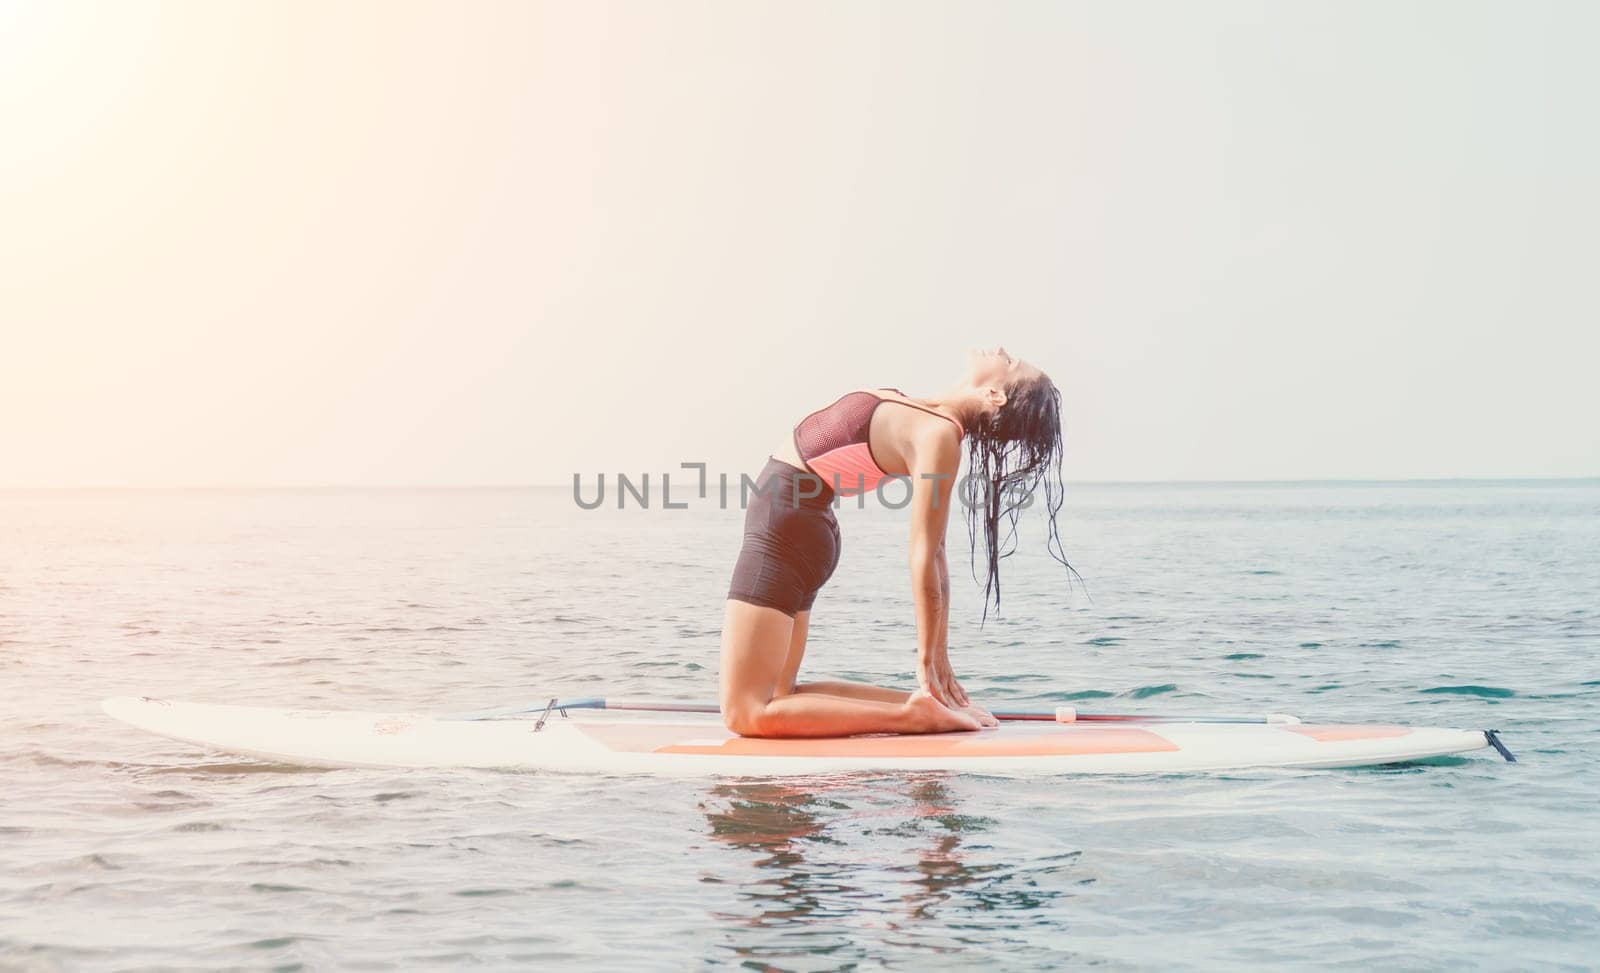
(791, 541)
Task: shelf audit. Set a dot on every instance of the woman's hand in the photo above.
(936, 676)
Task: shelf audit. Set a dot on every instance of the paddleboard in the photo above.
(692, 747)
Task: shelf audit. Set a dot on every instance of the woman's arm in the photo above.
(944, 599)
(936, 460)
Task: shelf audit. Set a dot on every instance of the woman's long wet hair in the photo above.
(1012, 454)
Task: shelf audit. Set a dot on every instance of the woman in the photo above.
(1009, 413)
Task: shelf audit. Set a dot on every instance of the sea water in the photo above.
(1472, 604)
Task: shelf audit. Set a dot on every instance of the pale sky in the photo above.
(469, 243)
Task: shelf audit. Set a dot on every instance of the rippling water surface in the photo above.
(1468, 604)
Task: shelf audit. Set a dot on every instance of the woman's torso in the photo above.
(852, 442)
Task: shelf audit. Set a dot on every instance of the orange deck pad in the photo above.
(1333, 734)
(1009, 742)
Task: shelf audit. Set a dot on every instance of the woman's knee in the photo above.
(746, 717)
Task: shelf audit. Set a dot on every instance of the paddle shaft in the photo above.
(671, 706)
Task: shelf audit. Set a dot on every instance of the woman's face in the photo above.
(996, 368)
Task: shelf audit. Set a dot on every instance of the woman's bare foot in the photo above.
(984, 717)
(924, 714)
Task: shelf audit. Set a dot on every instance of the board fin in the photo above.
(1493, 736)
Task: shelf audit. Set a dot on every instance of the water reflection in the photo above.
(859, 869)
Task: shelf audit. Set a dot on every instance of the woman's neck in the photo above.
(960, 402)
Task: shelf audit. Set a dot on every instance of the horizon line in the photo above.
(1277, 481)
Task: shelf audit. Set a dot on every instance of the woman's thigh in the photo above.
(758, 661)
(797, 653)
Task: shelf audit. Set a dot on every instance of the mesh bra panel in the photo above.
(847, 421)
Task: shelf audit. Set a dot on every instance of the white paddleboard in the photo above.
(690, 747)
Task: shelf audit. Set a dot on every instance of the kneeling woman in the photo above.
(1009, 414)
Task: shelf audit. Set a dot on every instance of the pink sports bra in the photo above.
(835, 442)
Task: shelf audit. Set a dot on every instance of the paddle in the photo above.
(1062, 714)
